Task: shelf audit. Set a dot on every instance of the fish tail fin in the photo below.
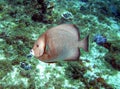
(84, 43)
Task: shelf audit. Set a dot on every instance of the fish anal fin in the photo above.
(73, 55)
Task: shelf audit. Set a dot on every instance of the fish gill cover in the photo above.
(23, 21)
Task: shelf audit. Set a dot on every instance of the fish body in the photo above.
(59, 43)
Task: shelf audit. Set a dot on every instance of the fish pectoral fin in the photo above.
(47, 48)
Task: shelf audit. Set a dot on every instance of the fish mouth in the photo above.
(30, 54)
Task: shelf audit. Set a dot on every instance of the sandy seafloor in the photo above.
(21, 23)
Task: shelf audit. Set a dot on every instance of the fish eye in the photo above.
(37, 45)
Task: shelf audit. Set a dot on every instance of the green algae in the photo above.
(13, 87)
(5, 67)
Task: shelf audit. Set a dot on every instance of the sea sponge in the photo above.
(67, 15)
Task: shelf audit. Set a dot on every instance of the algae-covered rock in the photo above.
(113, 56)
(23, 21)
(5, 67)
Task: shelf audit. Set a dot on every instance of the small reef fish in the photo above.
(59, 43)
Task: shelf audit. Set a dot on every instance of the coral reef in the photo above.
(21, 23)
